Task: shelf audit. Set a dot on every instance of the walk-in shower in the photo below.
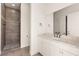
(10, 27)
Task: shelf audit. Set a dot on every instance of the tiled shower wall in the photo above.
(12, 26)
(2, 26)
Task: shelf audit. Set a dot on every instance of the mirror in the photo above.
(66, 24)
(66, 21)
(59, 25)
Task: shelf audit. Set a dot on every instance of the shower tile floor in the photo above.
(11, 46)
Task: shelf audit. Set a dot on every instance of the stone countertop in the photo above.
(67, 40)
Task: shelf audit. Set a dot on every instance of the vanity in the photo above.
(52, 46)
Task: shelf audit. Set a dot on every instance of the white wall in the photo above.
(73, 23)
(42, 13)
(0, 28)
(38, 15)
(25, 25)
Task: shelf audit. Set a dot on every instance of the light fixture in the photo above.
(13, 4)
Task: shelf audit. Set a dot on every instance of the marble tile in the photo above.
(2, 25)
(12, 26)
(17, 52)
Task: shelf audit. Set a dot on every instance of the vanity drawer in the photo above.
(69, 53)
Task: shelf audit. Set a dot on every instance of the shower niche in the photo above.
(10, 25)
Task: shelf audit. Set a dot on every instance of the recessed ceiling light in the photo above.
(13, 4)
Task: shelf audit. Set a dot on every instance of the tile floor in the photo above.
(18, 52)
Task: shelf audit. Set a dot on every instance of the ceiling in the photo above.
(53, 7)
(13, 5)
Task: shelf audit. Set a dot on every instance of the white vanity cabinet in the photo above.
(52, 48)
(70, 52)
(45, 48)
(49, 49)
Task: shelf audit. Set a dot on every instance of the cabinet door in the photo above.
(45, 48)
(67, 53)
(48, 48)
(55, 50)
